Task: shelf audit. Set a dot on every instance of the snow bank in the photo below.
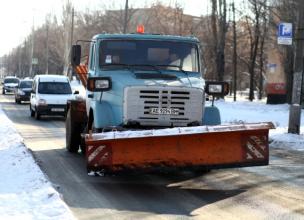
(25, 193)
(244, 111)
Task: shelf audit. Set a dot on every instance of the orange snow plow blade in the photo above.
(192, 147)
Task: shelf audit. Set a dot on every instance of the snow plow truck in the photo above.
(144, 109)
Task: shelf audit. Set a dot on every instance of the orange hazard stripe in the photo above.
(82, 72)
(256, 147)
(81, 69)
(99, 156)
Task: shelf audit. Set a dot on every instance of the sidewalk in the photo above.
(25, 193)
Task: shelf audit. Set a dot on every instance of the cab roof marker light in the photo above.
(140, 29)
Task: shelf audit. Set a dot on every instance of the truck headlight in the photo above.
(217, 88)
(99, 84)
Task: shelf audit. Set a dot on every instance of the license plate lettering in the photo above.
(57, 109)
(164, 111)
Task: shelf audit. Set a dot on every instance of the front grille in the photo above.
(27, 93)
(138, 101)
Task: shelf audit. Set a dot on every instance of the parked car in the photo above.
(49, 95)
(23, 91)
(10, 84)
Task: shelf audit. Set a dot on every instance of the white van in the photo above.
(49, 95)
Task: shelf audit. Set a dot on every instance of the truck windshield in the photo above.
(165, 55)
(54, 88)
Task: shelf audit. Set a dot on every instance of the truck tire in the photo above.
(73, 131)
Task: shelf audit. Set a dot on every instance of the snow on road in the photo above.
(25, 193)
(244, 111)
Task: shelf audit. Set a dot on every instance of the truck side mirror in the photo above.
(217, 89)
(76, 55)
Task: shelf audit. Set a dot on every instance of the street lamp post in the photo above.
(295, 107)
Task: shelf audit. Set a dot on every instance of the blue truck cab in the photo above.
(139, 81)
(150, 81)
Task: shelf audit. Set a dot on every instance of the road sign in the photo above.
(285, 33)
(272, 67)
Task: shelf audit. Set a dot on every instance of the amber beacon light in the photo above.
(140, 29)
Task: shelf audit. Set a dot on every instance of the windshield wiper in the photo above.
(148, 65)
(176, 66)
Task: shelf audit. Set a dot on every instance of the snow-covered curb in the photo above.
(25, 193)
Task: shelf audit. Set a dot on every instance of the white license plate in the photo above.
(163, 111)
(57, 109)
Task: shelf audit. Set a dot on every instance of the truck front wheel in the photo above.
(73, 131)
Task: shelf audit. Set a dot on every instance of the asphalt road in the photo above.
(271, 192)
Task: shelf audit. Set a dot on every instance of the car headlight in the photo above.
(42, 102)
(20, 92)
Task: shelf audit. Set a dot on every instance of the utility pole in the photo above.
(32, 51)
(234, 54)
(19, 62)
(72, 28)
(295, 107)
(126, 17)
(68, 72)
(47, 48)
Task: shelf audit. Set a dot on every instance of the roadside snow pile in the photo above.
(25, 193)
(244, 111)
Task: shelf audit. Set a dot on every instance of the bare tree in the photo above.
(219, 30)
(254, 26)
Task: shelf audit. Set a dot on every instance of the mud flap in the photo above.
(212, 116)
(204, 146)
